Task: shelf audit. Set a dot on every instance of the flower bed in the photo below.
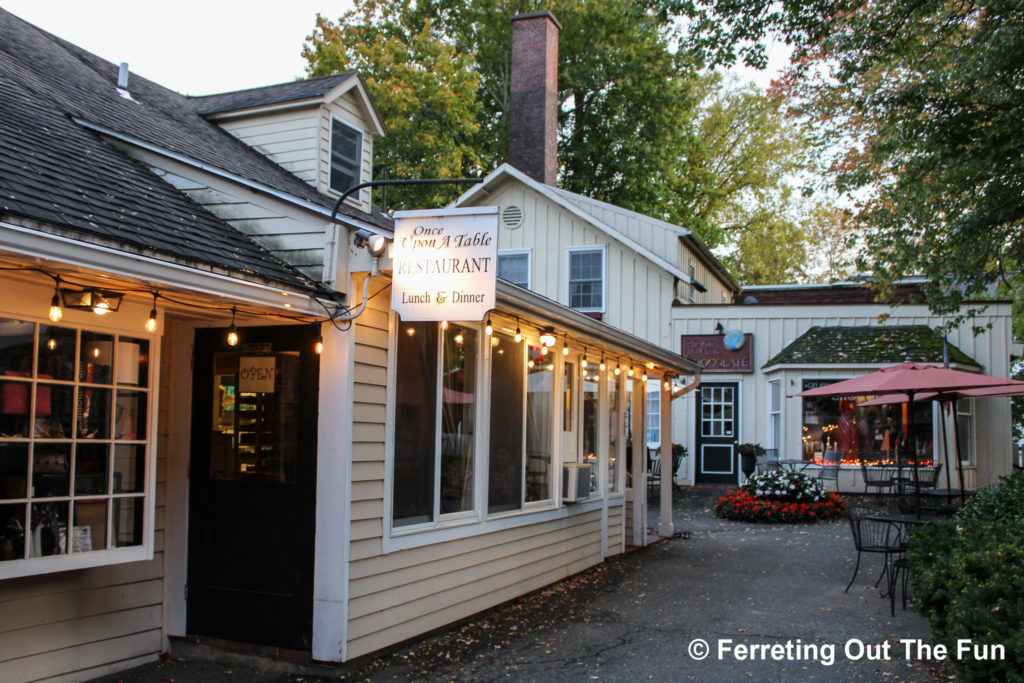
(781, 498)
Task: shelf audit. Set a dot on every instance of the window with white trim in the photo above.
(965, 427)
(693, 282)
(435, 422)
(514, 266)
(346, 155)
(586, 279)
(653, 415)
(774, 413)
(75, 459)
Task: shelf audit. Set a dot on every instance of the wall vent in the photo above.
(512, 217)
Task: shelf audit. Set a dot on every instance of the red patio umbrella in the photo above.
(916, 380)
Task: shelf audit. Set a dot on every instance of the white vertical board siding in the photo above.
(638, 293)
(288, 138)
(82, 624)
(348, 110)
(774, 327)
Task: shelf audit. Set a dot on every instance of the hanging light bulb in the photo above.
(56, 312)
(644, 377)
(232, 331)
(459, 338)
(444, 324)
(666, 385)
(630, 373)
(584, 361)
(618, 370)
(519, 333)
(602, 367)
(488, 328)
(565, 348)
(51, 343)
(151, 321)
(543, 351)
(530, 363)
(319, 345)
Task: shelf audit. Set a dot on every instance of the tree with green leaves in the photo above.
(626, 92)
(925, 102)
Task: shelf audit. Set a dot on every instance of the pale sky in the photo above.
(199, 47)
(192, 46)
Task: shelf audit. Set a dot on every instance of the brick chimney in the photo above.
(533, 101)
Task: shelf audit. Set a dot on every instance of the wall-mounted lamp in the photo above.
(372, 241)
(99, 301)
(547, 337)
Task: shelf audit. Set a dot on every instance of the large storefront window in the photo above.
(871, 435)
(74, 416)
(434, 450)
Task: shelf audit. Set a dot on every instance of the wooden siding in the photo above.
(294, 236)
(716, 289)
(348, 109)
(402, 594)
(616, 535)
(774, 327)
(638, 293)
(82, 624)
(289, 138)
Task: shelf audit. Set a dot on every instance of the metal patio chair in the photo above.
(876, 536)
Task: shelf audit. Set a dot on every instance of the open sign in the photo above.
(257, 374)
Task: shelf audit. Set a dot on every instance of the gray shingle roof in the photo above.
(870, 345)
(281, 93)
(58, 173)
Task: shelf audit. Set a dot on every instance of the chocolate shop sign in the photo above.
(445, 263)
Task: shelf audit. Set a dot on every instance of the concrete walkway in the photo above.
(639, 617)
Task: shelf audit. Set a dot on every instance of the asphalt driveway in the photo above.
(767, 600)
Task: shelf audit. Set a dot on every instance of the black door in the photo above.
(252, 486)
(717, 421)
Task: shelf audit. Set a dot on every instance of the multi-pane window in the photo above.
(346, 150)
(653, 416)
(774, 414)
(435, 421)
(693, 282)
(586, 279)
(614, 421)
(717, 411)
(74, 416)
(515, 267)
(965, 429)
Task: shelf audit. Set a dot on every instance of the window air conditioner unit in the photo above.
(575, 482)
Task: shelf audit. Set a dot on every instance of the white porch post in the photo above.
(665, 527)
(333, 496)
(639, 501)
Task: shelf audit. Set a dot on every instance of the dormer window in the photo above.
(346, 150)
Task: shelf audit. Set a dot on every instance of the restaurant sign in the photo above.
(731, 352)
(445, 263)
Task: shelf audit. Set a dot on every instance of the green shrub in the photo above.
(969, 579)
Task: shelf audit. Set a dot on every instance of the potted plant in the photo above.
(748, 457)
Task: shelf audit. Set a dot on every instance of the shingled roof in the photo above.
(295, 91)
(82, 85)
(869, 345)
(57, 172)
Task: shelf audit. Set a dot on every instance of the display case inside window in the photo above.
(73, 447)
(876, 435)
